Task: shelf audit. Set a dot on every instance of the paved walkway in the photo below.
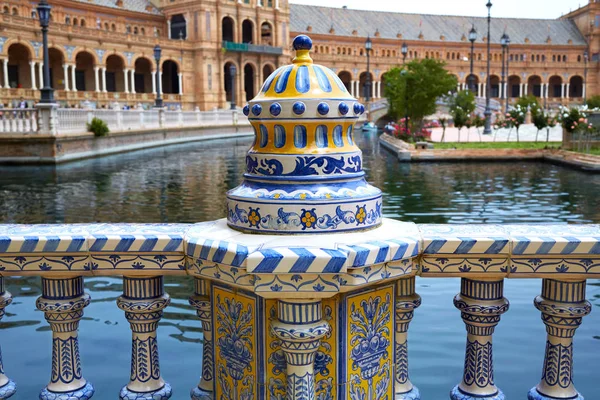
(526, 134)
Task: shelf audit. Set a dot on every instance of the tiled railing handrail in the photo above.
(308, 275)
(18, 120)
(76, 120)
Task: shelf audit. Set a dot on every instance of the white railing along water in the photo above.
(18, 120)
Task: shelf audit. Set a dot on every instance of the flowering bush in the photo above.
(517, 117)
(572, 119)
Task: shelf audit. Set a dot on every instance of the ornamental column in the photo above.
(104, 79)
(6, 84)
(481, 304)
(562, 90)
(143, 301)
(201, 302)
(406, 302)
(567, 87)
(126, 80)
(96, 79)
(41, 75)
(563, 306)
(133, 81)
(7, 387)
(62, 302)
(73, 81)
(300, 328)
(180, 76)
(32, 70)
(66, 77)
(153, 82)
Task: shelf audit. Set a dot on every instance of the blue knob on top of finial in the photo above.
(302, 42)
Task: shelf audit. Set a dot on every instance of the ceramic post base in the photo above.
(8, 390)
(535, 395)
(199, 394)
(414, 394)
(164, 393)
(457, 394)
(84, 393)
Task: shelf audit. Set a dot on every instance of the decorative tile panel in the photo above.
(563, 240)
(367, 338)
(464, 239)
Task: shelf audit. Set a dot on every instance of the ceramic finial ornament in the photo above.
(304, 172)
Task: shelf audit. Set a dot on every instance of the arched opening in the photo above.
(57, 73)
(178, 27)
(227, 81)
(346, 79)
(143, 76)
(266, 34)
(75, 21)
(366, 90)
(267, 71)
(115, 75)
(534, 86)
(472, 83)
(84, 72)
(227, 29)
(19, 75)
(575, 87)
(555, 86)
(6, 10)
(494, 86)
(170, 77)
(82, 23)
(113, 28)
(247, 31)
(514, 86)
(249, 81)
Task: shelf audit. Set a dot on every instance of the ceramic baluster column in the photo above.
(563, 306)
(201, 302)
(300, 328)
(62, 302)
(406, 302)
(143, 301)
(7, 387)
(481, 304)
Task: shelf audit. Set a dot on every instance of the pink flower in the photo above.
(580, 119)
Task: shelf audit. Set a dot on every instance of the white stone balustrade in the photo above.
(71, 120)
(299, 316)
(18, 120)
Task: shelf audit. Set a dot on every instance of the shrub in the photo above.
(98, 127)
(593, 102)
(529, 101)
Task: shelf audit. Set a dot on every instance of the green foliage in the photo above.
(517, 116)
(479, 121)
(98, 127)
(464, 99)
(570, 119)
(459, 116)
(529, 101)
(414, 89)
(593, 102)
(540, 120)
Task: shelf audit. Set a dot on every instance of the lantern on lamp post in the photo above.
(43, 10)
(157, 54)
(472, 39)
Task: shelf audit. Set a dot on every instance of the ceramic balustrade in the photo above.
(330, 322)
(18, 120)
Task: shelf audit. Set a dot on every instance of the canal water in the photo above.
(187, 183)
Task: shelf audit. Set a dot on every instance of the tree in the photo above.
(517, 116)
(415, 91)
(530, 102)
(593, 102)
(462, 104)
(479, 122)
(540, 120)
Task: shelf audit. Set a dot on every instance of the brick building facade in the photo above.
(102, 50)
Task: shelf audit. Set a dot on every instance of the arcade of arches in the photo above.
(195, 73)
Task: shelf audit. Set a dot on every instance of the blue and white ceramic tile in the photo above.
(136, 238)
(464, 239)
(27, 239)
(561, 240)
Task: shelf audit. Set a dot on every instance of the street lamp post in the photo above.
(504, 43)
(157, 53)
(43, 10)
(585, 70)
(472, 39)
(487, 130)
(368, 47)
(404, 51)
(232, 72)
(507, 74)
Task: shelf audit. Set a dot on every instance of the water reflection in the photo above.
(183, 184)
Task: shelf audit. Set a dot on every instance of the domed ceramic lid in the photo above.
(304, 172)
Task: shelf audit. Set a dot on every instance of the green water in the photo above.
(187, 183)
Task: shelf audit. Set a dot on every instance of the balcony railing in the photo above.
(251, 48)
(246, 295)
